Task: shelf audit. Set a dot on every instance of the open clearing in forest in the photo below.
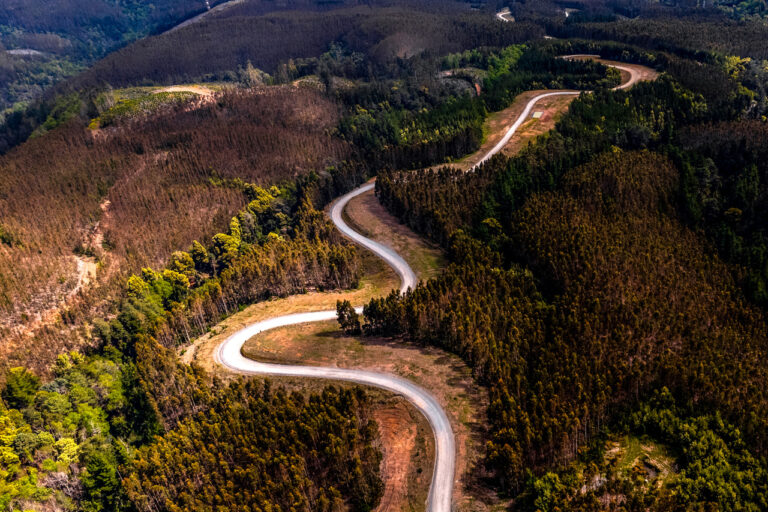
(408, 452)
(633, 455)
(195, 89)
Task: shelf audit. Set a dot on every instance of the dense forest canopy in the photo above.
(607, 285)
(566, 257)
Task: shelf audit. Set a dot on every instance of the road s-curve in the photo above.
(505, 15)
(229, 354)
(634, 77)
(394, 260)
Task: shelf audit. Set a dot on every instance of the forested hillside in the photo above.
(44, 42)
(125, 197)
(589, 273)
(245, 34)
(607, 284)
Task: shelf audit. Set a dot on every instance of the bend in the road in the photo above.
(394, 260)
(229, 355)
(634, 77)
(520, 120)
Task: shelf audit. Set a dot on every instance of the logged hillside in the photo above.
(95, 434)
(128, 195)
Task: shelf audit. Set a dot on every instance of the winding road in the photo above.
(229, 353)
(505, 15)
(634, 77)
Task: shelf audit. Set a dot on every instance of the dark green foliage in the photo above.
(718, 469)
(258, 448)
(633, 301)
(349, 319)
(20, 387)
(62, 444)
(726, 170)
(417, 126)
(713, 468)
(439, 202)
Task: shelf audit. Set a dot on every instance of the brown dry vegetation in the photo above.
(155, 175)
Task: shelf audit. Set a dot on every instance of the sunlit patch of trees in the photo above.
(255, 448)
(91, 436)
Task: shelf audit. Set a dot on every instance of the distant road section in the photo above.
(505, 15)
(636, 74)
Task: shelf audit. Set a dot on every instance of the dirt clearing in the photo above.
(195, 89)
(408, 452)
